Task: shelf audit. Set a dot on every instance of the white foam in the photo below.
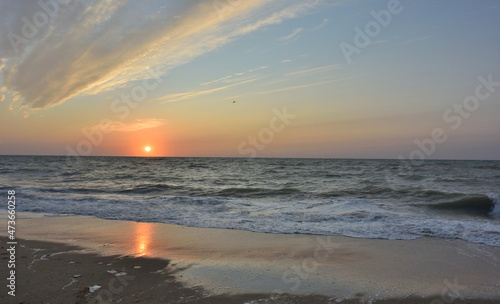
(496, 204)
(347, 217)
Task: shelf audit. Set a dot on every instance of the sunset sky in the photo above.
(115, 77)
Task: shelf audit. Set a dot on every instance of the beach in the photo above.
(60, 256)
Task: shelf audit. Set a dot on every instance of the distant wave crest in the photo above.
(481, 205)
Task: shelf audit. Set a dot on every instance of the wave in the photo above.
(380, 191)
(480, 205)
(347, 217)
(369, 191)
(138, 189)
(150, 188)
(436, 195)
(496, 208)
(257, 192)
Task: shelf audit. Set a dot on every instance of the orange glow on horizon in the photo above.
(147, 143)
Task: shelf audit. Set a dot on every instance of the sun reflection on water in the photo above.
(142, 238)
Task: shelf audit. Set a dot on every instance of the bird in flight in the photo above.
(234, 101)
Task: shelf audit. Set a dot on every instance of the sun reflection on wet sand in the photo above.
(143, 233)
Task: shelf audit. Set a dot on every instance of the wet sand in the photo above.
(60, 257)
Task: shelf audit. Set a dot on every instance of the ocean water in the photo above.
(384, 199)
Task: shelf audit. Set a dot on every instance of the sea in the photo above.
(379, 199)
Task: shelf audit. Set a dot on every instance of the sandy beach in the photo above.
(60, 258)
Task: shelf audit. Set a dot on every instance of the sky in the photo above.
(262, 78)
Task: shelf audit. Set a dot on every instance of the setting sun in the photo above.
(147, 149)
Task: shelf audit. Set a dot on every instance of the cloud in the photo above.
(302, 86)
(232, 97)
(294, 33)
(317, 69)
(378, 42)
(88, 47)
(216, 80)
(290, 12)
(259, 68)
(229, 78)
(286, 61)
(139, 124)
(416, 39)
(322, 25)
(190, 94)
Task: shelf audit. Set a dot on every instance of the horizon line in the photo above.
(237, 157)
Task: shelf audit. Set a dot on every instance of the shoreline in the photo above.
(238, 266)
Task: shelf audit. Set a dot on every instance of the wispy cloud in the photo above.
(98, 45)
(378, 42)
(259, 68)
(294, 33)
(300, 73)
(229, 78)
(416, 39)
(196, 93)
(232, 97)
(286, 61)
(313, 70)
(289, 12)
(322, 25)
(139, 124)
(216, 80)
(302, 86)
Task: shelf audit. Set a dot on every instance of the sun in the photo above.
(147, 149)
